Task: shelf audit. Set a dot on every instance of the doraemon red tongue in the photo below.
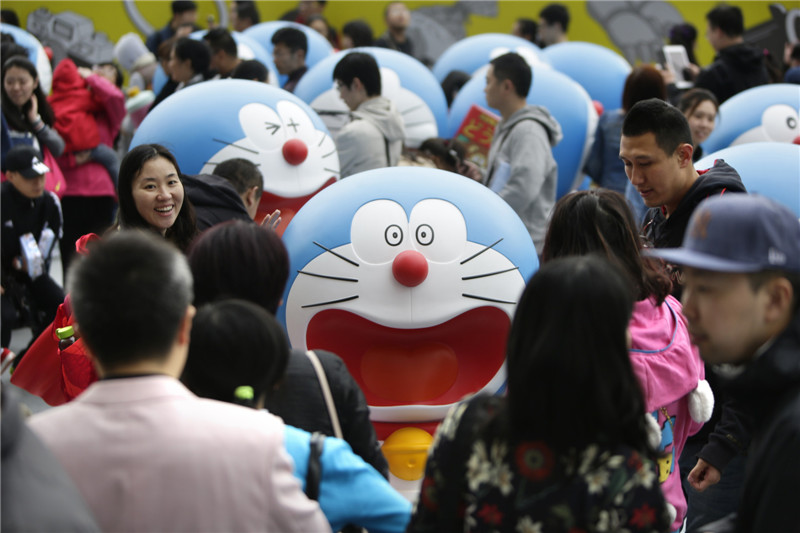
(433, 366)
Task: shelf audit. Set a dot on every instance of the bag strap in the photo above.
(490, 173)
(326, 392)
(314, 472)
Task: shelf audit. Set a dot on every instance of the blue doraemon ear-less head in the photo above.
(768, 113)
(767, 168)
(411, 275)
(571, 58)
(36, 54)
(404, 80)
(567, 101)
(210, 122)
(474, 52)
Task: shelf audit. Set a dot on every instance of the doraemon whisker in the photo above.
(235, 146)
(487, 299)
(326, 277)
(410, 109)
(322, 140)
(331, 170)
(329, 154)
(467, 278)
(343, 258)
(479, 253)
(331, 302)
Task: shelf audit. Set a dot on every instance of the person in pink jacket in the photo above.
(89, 201)
(677, 398)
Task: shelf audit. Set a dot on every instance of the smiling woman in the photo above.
(151, 195)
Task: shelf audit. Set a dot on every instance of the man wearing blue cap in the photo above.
(741, 259)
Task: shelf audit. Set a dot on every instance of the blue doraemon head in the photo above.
(404, 80)
(210, 122)
(770, 169)
(567, 101)
(411, 275)
(572, 59)
(318, 46)
(768, 113)
(472, 53)
(36, 54)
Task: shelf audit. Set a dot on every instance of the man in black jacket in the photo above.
(741, 256)
(737, 65)
(656, 148)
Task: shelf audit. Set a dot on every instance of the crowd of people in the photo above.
(653, 360)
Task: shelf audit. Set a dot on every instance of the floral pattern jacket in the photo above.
(527, 488)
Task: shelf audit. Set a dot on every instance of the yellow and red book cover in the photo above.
(476, 132)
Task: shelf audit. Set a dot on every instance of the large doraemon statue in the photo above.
(404, 80)
(411, 275)
(567, 101)
(210, 122)
(768, 113)
(318, 46)
(602, 72)
(36, 54)
(768, 168)
(472, 53)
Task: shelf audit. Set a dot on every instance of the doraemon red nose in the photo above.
(295, 151)
(410, 268)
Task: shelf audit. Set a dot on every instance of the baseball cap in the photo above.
(26, 160)
(738, 233)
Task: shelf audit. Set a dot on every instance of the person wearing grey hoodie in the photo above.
(521, 167)
(374, 136)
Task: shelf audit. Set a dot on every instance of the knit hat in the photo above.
(131, 53)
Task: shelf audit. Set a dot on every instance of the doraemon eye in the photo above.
(393, 235)
(780, 123)
(439, 230)
(425, 235)
(379, 231)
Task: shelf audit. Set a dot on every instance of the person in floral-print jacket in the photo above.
(567, 449)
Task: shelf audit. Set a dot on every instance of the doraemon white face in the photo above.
(779, 123)
(418, 119)
(296, 158)
(418, 312)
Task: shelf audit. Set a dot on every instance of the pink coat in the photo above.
(148, 455)
(669, 367)
(92, 179)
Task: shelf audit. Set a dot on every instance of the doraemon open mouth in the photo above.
(289, 206)
(436, 365)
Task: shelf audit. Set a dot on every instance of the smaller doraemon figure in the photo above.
(208, 123)
(411, 275)
(768, 113)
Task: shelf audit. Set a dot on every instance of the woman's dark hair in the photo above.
(239, 260)
(452, 83)
(17, 118)
(235, 343)
(359, 32)
(450, 152)
(251, 69)
(693, 98)
(570, 381)
(184, 229)
(599, 221)
(643, 83)
(195, 51)
(684, 34)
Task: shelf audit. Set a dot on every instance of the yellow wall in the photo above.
(110, 17)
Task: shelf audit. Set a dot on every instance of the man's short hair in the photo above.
(243, 174)
(182, 6)
(293, 38)
(511, 66)
(362, 66)
(556, 13)
(129, 296)
(359, 32)
(221, 39)
(247, 10)
(727, 18)
(528, 27)
(197, 52)
(250, 69)
(661, 119)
